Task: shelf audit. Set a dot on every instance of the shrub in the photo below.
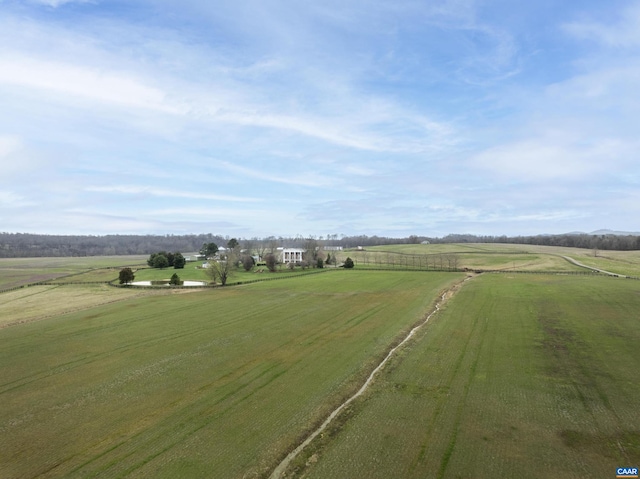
(348, 263)
(247, 262)
(271, 262)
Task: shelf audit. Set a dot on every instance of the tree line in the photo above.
(599, 242)
(20, 245)
(27, 245)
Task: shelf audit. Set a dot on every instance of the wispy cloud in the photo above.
(284, 175)
(103, 86)
(165, 193)
(57, 3)
(8, 199)
(371, 117)
(623, 32)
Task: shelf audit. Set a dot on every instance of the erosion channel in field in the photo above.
(280, 469)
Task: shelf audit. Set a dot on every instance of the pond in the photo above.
(166, 283)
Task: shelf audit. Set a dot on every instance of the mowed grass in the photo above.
(518, 376)
(215, 383)
(193, 271)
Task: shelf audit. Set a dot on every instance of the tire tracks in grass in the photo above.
(282, 466)
(446, 457)
(440, 408)
(194, 415)
(88, 359)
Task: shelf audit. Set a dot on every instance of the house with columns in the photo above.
(292, 255)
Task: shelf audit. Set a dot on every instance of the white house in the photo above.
(292, 255)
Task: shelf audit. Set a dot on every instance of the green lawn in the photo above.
(194, 272)
(519, 376)
(214, 383)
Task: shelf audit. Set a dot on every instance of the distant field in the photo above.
(519, 376)
(496, 256)
(20, 271)
(455, 257)
(620, 262)
(215, 383)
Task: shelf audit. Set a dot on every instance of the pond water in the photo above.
(166, 283)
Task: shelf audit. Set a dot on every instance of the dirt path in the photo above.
(577, 263)
(446, 295)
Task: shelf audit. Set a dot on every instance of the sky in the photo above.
(253, 118)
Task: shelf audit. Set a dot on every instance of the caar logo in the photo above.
(627, 472)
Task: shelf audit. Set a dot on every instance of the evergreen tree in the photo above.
(126, 276)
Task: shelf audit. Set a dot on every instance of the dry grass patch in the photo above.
(40, 302)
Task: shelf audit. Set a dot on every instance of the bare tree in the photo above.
(221, 270)
(312, 248)
(272, 244)
(248, 245)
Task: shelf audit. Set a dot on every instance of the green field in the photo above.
(194, 272)
(528, 377)
(519, 375)
(216, 383)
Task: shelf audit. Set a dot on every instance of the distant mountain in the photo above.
(616, 233)
(602, 233)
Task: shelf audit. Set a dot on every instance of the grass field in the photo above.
(497, 256)
(21, 271)
(41, 302)
(217, 383)
(409, 258)
(519, 375)
(528, 377)
(194, 272)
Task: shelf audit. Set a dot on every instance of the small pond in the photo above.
(166, 283)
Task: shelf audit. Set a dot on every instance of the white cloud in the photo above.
(339, 103)
(166, 193)
(287, 176)
(549, 158)
(8, 199)
(119, 88)
(57, 3)
(622, 33)
(9, 145)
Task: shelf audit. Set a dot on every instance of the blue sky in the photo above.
(258, 118)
